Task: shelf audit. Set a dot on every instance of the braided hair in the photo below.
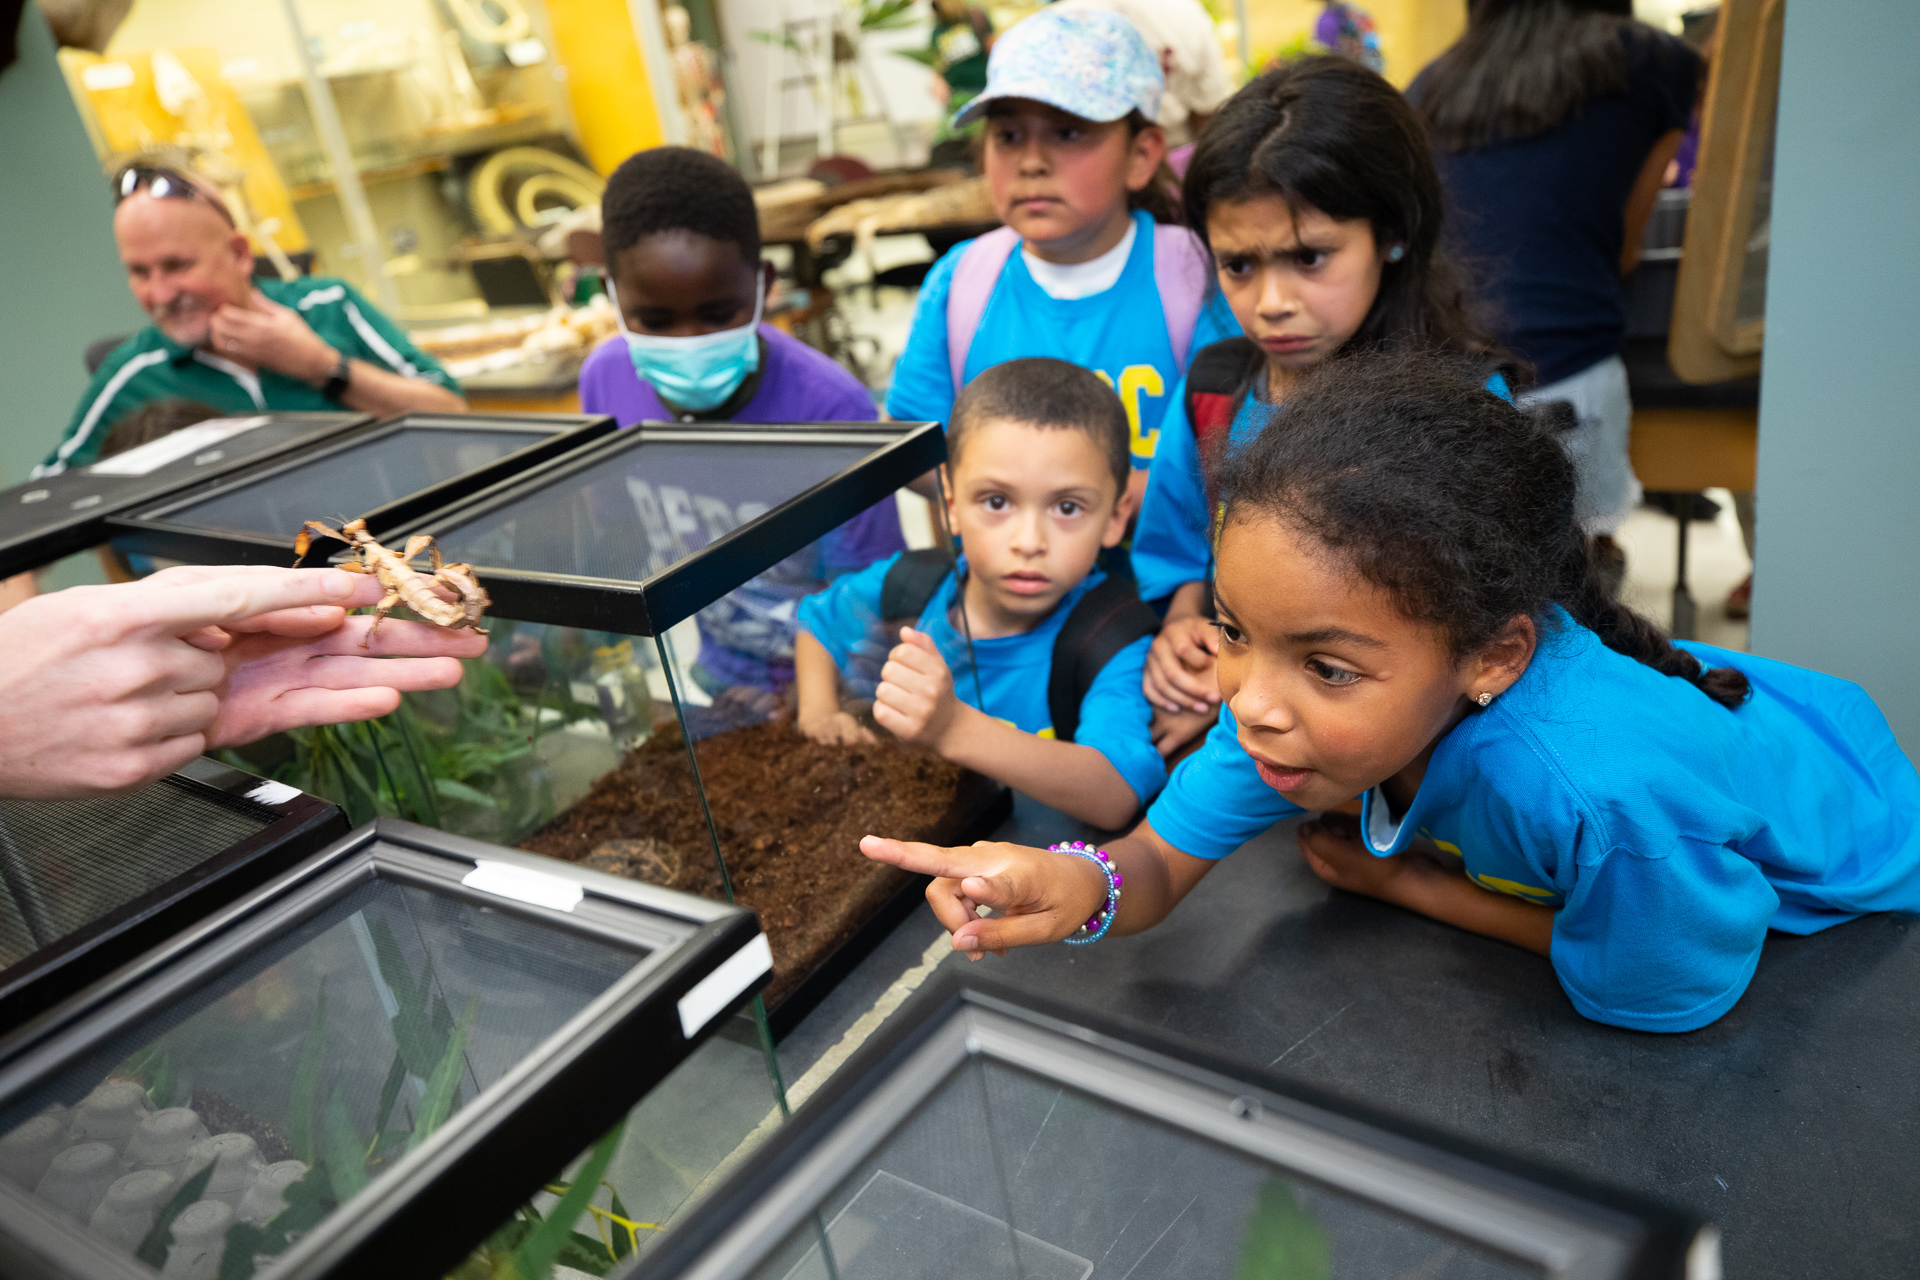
(1448, 498)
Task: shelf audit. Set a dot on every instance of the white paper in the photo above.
(272, 793)
(155, 454)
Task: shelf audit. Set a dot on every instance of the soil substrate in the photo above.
(790, 813)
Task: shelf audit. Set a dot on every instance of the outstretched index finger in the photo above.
(930, 859)
(237, 597)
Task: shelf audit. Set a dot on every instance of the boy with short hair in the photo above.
(682, 243)
(1037, 468)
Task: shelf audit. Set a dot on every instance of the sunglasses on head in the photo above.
(163, 184)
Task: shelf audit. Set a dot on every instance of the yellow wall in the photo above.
(1412, 32)
(613, 111)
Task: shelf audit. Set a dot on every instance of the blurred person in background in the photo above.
(1553, 123)
(221, 337)
(1181, 35)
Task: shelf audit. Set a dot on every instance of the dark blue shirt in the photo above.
(1540, 220)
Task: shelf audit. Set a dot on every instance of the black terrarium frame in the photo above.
(166, 529)
(43, 520)
(1554, 1224)
(702, 961)
(902, 452)
(65, 963)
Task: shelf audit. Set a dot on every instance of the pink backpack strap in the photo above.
(1182, 270)
(971, 286)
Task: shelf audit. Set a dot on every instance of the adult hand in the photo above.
(915, 701)
(1180, 667)
(266, 335)
(1174, 731)
(107, 688)
(1036, 896)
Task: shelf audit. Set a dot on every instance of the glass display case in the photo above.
(635, 710)
(45, 519)
(361, 1068)
(384, 474)
(989, 1135)
(86, 885)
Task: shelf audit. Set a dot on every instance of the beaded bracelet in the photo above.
(1097, 925)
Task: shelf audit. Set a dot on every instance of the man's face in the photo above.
(183, 263)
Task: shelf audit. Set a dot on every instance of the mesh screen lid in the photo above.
(65, 864)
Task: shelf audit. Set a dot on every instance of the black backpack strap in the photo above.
(1106, 620)
(909, 586)
(1216, 381)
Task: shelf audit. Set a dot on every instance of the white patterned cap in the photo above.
(1087, 62)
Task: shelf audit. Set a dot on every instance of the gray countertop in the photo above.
(1793, 1122)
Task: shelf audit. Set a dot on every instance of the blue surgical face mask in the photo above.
(696, 373)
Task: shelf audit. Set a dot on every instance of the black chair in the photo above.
(99, 349)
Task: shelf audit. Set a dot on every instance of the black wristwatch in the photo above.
(336, 384)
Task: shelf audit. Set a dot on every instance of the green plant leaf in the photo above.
(164, 1081)
(1283, 1241)
(537, 1253)
(584, 1253)
(153, 1248)
(625, 1240)
(444, 1084)
(389, 1093)
(461, 791)
(306, 1083)
(346, 1154)
(244, 1242)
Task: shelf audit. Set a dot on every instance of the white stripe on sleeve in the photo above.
(72, 443)
(379, 345)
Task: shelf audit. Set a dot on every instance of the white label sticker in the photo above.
(523, 884)
(718, 989)
(272, 793)
(171, 448)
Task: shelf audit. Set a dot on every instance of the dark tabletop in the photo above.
(1793, 1122)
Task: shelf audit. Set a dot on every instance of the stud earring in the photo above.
(1484, 699)
(1396, 253)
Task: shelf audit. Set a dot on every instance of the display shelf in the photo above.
(45, 519)
(994, 1135)
(361, 1068)
(385, 473)
(86, 885)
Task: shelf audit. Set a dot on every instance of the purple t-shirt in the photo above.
(747, 636)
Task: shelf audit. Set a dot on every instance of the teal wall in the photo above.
(63, 284)
(1837, 566)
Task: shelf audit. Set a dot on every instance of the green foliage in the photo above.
(153, 1248)
(346, 1155)
(443, 1086)
(457, 759)
(306, 1083)
(153, 1069)
(549, 1237)
(1283, 1240)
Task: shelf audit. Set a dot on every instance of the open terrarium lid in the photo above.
(998, 1136)
(644, 529)
(384, 473)
(43, 520)
(86, 885)
(360, 1069)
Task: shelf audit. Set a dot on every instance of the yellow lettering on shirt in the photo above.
(1512, 888)
(1046, 733)
(1137, 380)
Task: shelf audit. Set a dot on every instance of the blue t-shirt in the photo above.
(1009, 676)
(1668, 833)
(1120, 334)
(1543, 217)
(1172, 545)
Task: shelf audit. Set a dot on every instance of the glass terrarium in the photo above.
(383, 474)
(361, 1068)
(635, 712)
(86, 885)
(55, 516)
(989, 1136)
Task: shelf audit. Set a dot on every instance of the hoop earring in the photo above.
(1396, 253)
(1484, 699)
